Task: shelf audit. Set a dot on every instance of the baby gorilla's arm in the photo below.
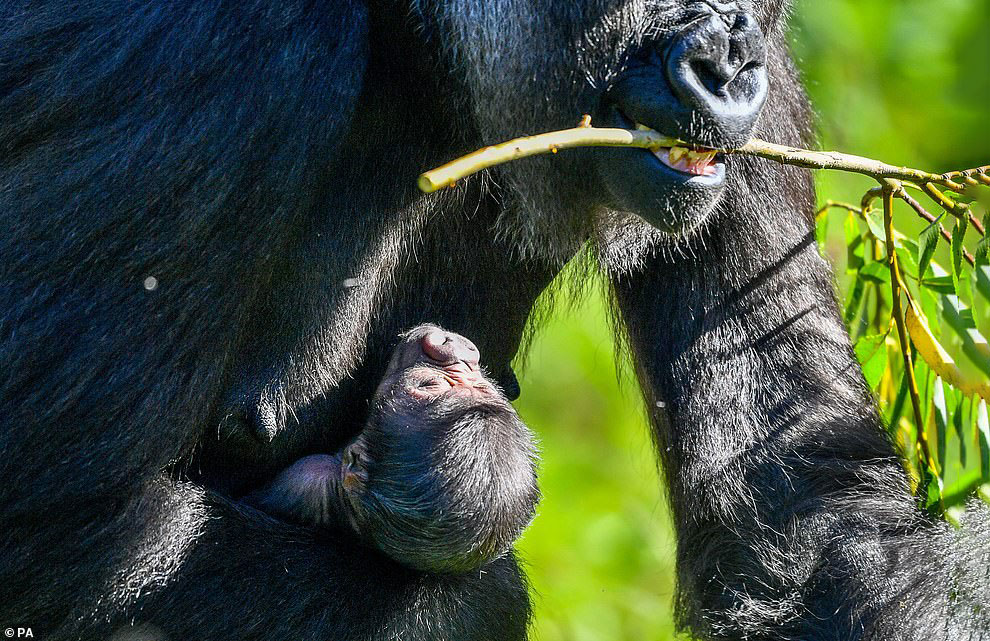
(310, 491)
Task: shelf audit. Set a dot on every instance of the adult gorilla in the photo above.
(212, 236)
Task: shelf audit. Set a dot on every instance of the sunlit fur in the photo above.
(259, 160)
(451, 491)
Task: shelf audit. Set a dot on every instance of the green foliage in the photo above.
(944, 300)
(600, 553)
(898, 81)
(872, 354)
(895, 81)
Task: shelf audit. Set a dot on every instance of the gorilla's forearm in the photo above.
(794, 515)
(185, 546)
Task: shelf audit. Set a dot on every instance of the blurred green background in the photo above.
(906, 82)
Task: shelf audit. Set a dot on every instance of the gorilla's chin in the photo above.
(639, 183)
(673, 201)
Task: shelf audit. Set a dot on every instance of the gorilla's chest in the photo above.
(317, 340)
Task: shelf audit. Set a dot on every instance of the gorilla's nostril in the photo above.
(466, 351)
(435, 346)
(445, 348)
(716, 68)
(713, 76)
(743, 23)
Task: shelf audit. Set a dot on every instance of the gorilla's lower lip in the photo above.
(700, 165)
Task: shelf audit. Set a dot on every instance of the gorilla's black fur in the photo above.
(211, 235)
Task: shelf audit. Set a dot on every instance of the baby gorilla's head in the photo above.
(442, 477)
(445, 474)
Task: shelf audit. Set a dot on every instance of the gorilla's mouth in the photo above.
(696, 163)
(672, 188)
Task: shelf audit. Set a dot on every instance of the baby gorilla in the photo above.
(442, 477)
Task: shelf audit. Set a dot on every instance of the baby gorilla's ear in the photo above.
(354, 467)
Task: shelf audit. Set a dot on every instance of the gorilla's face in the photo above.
(694, 70)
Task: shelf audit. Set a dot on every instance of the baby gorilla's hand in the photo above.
(442, 477)
(308, 491)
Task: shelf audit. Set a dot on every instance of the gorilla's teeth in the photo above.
(695, 162)
(688, 161)
(700, 158)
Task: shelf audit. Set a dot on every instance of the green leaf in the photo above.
(872, 354)
(931, 307)
(855, 301)
(966, 318)
(854, 244)
(941, 411)
(923, 376)
(927, 243)
(874, 220)
(962, 489)
(981, 297)
(907, 262)
(883, 291)
(875, 272)
(958, 236)
(967, 197)
(961, 321)
(940, 284)
(983, 247)
(960, 277)
(983, 426)
(981, 279)
(897, 409)
(959, 424)
(965, 288)
(930, 490)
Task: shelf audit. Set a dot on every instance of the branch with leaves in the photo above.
(911, 293)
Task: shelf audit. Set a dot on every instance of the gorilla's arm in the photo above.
(221, 571)
(167, 141)
(179, 141)
(794, 516)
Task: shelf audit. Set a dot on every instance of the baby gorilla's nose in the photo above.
(447, 348)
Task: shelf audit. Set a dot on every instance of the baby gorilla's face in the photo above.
(431, 364)
(442, 477)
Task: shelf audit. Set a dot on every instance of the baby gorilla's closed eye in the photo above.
(426, 383)
(441, 478)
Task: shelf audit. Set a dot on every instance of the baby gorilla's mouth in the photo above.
(461, 374)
